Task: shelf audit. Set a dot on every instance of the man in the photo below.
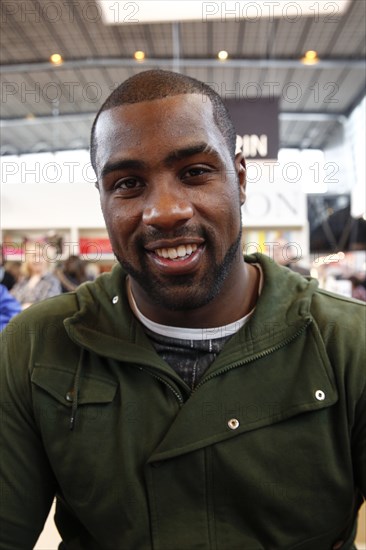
(189, 399)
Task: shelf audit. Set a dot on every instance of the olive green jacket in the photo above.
(268, 452)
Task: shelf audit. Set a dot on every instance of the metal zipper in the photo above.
(232, 366)
(177, 395)
(254, 357)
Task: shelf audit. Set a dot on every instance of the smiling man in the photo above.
(192, 399)
(171, 191)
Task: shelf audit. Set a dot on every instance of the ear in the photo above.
(242, 175)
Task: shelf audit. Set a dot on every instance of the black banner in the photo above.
(256, 123)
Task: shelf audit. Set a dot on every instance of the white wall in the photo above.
(57, 205)
(346, 150)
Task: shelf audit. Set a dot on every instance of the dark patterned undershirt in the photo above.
(188, 351)
(189, 358)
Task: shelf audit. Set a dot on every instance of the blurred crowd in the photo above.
(36, 278)
(287, 255)
(358, 288)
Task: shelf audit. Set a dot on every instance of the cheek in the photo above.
(228, 208)
(122, 224)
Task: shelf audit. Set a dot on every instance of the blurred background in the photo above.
(292, 74)
(293, 77)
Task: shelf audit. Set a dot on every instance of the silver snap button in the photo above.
(115, 300)
(69, 396)
(233, 423)
(320, 395)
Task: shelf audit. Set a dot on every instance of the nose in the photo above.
(167, 209)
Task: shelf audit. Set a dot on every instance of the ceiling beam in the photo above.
(46, 119)
(352, 63)
(80, 117)
(304, 116)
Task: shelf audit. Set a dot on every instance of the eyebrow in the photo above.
(190, 151)
(171, 158)
(123, 164)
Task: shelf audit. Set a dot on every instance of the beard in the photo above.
(184, 292)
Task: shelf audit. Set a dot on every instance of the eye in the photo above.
(195, 172)
(128, 184)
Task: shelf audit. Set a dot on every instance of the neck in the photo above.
(236, 299)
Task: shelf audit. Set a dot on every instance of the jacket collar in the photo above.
(105, 324)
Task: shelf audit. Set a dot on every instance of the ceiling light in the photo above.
(56, 59)
(139, 55)
(223, 55)
(310, 58)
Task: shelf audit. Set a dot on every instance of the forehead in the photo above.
(152, 126)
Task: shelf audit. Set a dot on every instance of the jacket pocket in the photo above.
(73, 454)
(59, 383)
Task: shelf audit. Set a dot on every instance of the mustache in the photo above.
(180, 232)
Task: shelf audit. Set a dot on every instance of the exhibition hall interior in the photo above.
(292, 74)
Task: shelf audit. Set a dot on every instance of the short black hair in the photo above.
(157, 84)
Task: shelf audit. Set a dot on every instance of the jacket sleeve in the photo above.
(342, 321)
(26, 481)
(359, 444)
(351, 348)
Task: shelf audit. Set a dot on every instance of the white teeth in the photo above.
(173, 253)
(182, 251)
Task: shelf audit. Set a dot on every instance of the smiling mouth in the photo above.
(181, 252)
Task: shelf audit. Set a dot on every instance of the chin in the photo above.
(182, 299)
